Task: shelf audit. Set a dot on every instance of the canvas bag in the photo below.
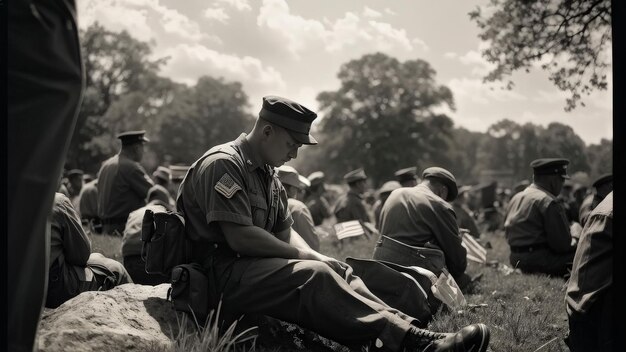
(165, 244)
(189, 292)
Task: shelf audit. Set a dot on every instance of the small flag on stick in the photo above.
(349, 229)
(475, 252)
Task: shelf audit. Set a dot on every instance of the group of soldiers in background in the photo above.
(542, 220)
(123, 186)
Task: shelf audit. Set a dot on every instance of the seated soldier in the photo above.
(423, 218)
(158, 201)
(73, 268)
(536, 226)
(294, 184)
(237, 219)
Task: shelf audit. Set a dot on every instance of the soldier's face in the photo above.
(281, 147)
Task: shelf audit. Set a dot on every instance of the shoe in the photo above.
(472, 338)
(417, 339)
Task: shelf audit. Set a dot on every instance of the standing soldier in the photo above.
(123, 183)
(603, 185)
(317, 203)
(351, 205)
(589, 295)
(407, 177)
(536, 226)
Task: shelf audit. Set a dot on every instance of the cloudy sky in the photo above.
(295, 48)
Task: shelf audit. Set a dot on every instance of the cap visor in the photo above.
(566, 177)
(302, 138)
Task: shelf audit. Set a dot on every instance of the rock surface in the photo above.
(135, 317)
(129, 317)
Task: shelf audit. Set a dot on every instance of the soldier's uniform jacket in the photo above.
(351, 207)
(592, 271)
(88, 200)
(535, 218)
(586, 207)
(416, 216)
(228, 184)
(303, 223)
(122, 187)
(319, 208)
(69, 245)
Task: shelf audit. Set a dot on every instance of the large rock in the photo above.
(135, 317)
(129, 317)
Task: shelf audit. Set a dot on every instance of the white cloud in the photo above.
(347, 32)
(368, 12)
(190, 61)
(474, 91)
(134, 16)
(450, 55)
(389, 11)
(388, 34)
(115, 17)
(217, 14)
(240, 5)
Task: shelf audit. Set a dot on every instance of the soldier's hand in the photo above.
(338, 266)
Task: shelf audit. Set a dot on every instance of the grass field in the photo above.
(524, 312)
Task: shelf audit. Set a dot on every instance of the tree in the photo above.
(117, 66)
(568, 38)
(559, 140)
(210, 113)
(382, 118)
(600, 158)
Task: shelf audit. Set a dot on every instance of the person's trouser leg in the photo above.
(44, 84)
(312, 295)
(121, 275)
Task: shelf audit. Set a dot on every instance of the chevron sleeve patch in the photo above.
(227, 186)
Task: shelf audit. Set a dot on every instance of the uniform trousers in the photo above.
(44, 84)
(336, 305)
(543, 260)
(593, 331)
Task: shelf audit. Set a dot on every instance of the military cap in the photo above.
(389, 186)
(158, 192)
(409, 173)
(163, 173)
(446, 177)
(290, 176)
(293, 117)
(355, 175)
(550, 166)
(602, 180)
(74, 172)
(132, 137)
(316, 178)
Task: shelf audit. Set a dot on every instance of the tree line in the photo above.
(384, 116)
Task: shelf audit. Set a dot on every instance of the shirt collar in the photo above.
(252, 160)
(534, 185)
